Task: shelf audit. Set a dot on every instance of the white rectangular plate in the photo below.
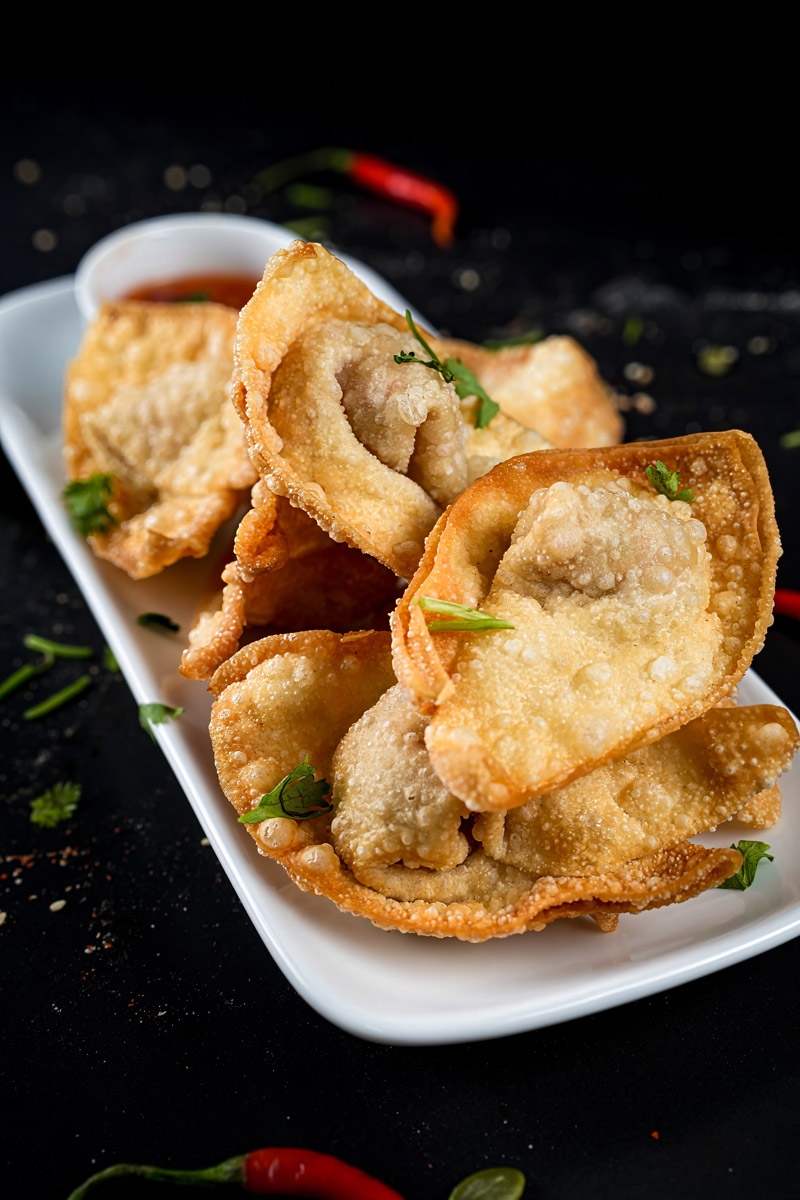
(384, 986)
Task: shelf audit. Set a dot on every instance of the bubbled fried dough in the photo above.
(390, 805)
(371, 449)
(553, 386)
(287, 575)
(289, 696)
(281, 697)
(147, 400)
(688, 782)
(632, 614)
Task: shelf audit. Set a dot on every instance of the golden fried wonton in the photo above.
(148, 401)
(371, 449)
(289, 575)
(553, 386)
(632, 614)
(288, 696)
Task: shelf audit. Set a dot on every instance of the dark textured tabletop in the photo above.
(144, 1020)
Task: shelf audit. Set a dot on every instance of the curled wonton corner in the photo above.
(298, 694)
(632, 614)
(147, 401)
(286, 575)
(370, 448)
(553, 386)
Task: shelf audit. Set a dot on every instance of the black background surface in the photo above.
(146, 1021)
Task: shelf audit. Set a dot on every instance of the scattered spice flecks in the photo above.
(654, 1134)
(57, 905)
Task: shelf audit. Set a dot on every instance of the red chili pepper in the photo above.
(277, 1171)
(787, 603)
(377, 175)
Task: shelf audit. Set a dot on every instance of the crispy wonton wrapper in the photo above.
(289, 575)
(288, 696)
(148, 401)
(632, 614)
(553, 386)
(371, 449)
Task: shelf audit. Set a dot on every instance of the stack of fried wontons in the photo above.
(483, 781)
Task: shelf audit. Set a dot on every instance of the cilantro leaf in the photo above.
(452, 370)
(298, 795)
(752, 853)
(158, 622)
(467, 385)
(789, 441)
(463, 618)
(666, 482)
(86, 502)
(156, 714)
(57, 804)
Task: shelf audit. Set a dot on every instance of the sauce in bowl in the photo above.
(232, 290)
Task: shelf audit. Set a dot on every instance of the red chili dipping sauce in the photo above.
(231, 290)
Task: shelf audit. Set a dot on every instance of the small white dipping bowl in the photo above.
(167, 248)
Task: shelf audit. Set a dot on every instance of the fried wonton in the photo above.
(148, 402)
(688, 782)
(632, 613)
(553, 386)
(370, 448)
(289, 696)
(286, 575)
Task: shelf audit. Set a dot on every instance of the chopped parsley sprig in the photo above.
(86, 501)
(666, 482)
(461, 618)
(55, 805)
(158, 622)
(57, 699)
(32, 641)
(298, 796)
(452, 370)
(156, 713)
(752, 853)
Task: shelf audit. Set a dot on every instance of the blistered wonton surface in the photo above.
(395, 850)
(632, 614)
(553, 386)
(286, 575)
(373, 450)
(148, 402)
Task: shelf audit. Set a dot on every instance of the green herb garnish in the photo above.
(156, 714)
(496, 1183)
(463, 618)
(57, 699)
(666, 482)
(632, 329)
(193, 298)
(298, 795)
(109, 659)
(790, 441)
(55, 649)
(86, 501)
(17, 678)
(55, 805)
(452, 370)
(523, 339)
(157, 621)
(752, 853)
(717, 360)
